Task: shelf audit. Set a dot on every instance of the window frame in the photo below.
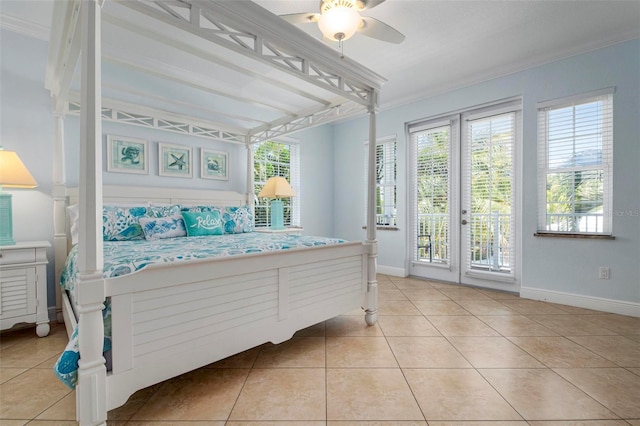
(393, 187)
(604, 166)
(292, 204)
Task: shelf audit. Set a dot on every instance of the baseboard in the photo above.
(394, 272)
(589, 302)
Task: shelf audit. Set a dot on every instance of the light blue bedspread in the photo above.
(127, 257)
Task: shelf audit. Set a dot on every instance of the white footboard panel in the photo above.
(162, 329)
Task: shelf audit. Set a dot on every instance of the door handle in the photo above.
(464, 221)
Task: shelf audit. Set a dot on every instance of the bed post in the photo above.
(250, 190)
(59, 205)
(91, 389)
(371, 311)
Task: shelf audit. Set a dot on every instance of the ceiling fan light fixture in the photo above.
(339, 22)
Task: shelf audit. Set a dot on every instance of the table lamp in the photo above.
(276, 188)
(13, 174)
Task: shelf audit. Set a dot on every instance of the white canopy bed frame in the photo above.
(331, 88)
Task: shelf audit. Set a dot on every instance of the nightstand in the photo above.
(290, 230)
(23, 285)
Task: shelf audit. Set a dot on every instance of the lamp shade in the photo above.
(13, 173)
(277, 187)
(339, 22)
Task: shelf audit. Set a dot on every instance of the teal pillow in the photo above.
(203, 223)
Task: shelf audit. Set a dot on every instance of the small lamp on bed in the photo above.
(276, 188)
(13, 174)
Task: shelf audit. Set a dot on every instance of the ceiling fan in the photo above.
(340, 19)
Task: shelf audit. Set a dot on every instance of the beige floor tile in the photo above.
(480, 423)
(377, 423)
(10, 373)
(390, 294)
(179, 423)
(516, 325)
(411, 284)
(623, 351)
(463, 293)
(580, 423)
(5, 422)
(351, 326)
(615, 388)
(282, 394)
(571, 325)
(65, 409)
(244, 359)
(634, 422)
(296, 352)
(541, 394)
(29, 394)
(276, 423)
(133, 404)
(576, 310)
(499, 295)
(560, 352)
(204, 394)
(31, 352)
(461, 326)
(53, 423)
(634, 370)
(369, 394)
(525, 306)
(493, 352)
(397, 307)
(486, 307)
(424, 294)
(17, 335)
(440, 307)
(317, 330)
(409, 325)
(426, 352)
(359, 352)
(619, 324)
(441, 285)
(457, 394)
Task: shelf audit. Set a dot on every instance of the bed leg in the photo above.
(91, 389)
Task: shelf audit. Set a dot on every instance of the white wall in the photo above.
(549, 265)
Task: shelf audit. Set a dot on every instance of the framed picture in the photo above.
(175, 160)
(127, 155)
(214, 164)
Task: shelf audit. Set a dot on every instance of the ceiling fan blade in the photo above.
(371, 27)
(368, 4)
(301, 18)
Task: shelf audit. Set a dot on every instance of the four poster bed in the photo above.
(174, 315)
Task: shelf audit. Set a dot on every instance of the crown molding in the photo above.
(22, 26)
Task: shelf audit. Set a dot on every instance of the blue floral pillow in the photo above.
(122, 223)
(202, 223)
(164, 210)
(238, 220)
(157, 228)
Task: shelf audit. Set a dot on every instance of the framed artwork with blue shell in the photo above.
(214, 164)
(175, 160)
(127, 155)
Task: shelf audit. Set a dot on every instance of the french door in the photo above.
(464, 184)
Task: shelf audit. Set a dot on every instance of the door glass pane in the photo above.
(489, 232)
(433, 182)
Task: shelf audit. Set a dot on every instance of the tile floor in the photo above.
(439, 355)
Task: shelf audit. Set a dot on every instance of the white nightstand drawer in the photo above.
(17, 256)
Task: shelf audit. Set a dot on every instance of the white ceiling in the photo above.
(449, 44)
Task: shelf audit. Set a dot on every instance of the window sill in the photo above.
(569, 235)
(385, 228)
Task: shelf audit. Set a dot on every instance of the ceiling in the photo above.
(449, 44)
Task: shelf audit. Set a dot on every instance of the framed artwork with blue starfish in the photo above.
(127, 155)
(175, 160)
(214, 164)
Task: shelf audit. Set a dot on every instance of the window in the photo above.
(386, 170)
(575, 139)
(273, 158)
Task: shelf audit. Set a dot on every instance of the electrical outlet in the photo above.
(604, 273)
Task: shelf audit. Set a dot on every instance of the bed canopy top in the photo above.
(226, 70)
